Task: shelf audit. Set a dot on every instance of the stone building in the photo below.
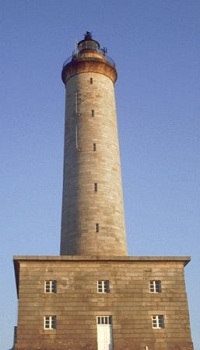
(94, 296)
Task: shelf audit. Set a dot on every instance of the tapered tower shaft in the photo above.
(92, 207)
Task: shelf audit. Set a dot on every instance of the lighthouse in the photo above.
(92, 208)
(93, 296)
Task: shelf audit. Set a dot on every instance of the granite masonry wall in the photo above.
(92, 208)
(77, 303)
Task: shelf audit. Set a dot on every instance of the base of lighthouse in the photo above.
(101, 303)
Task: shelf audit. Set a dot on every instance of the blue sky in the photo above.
(155, 44)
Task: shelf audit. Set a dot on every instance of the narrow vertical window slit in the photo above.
(76, 102)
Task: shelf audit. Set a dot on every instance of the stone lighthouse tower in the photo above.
(93, 296)
(92, 211)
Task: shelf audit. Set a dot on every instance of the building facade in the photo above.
(94, 296)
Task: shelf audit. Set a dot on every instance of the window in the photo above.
(97, 227)
(103, 287)
(104, 319)
(76, 102)
(50, 286)
(50, 322)
(94, 147)
(92, 112)
(158, 321)
(155, 286)
(91, 80)
(95, 187)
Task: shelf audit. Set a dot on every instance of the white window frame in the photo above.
(50, 322)
(103, 286)
(157, 321)
(155, 286)
(50, 286)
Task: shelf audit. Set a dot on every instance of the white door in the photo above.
(104, 333)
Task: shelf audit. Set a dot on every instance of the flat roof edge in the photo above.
(186, 259)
